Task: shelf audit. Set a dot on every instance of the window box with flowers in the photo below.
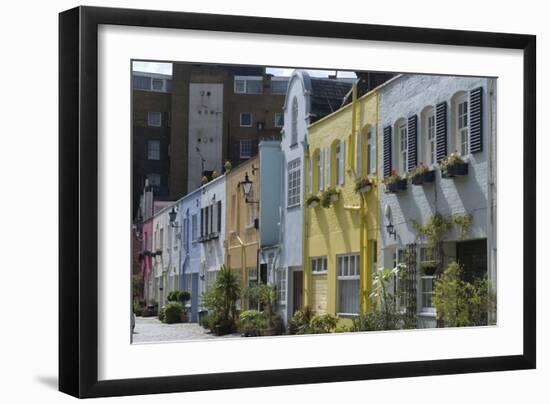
(363, 185)
(453, 165)
(313, 201)
(421, 174)
(328, 197)
(395, 183)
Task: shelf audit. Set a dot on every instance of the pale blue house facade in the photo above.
(190, 259)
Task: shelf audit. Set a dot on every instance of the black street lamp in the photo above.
(246, 188)
(173, 215)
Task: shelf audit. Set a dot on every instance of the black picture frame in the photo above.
(78, 196)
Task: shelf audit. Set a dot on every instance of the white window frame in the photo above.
(320, 173)
(347, 273)
(279, 79)
(150, 154)
(430, 140)
(462, 124)
(397, 281)
(281, 285)
(243, 153)
(371, 152)
(151, 122)
(241, 120)
(293, 183)
(278, 116)
(245, 80)
(403, 147)
(318, 262)
(422, 254)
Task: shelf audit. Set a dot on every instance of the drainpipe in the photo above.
(491, 225)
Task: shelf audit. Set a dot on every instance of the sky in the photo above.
(166, 68)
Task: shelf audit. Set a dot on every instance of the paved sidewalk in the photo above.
(150, 329)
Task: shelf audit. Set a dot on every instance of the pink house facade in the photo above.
(147, 260)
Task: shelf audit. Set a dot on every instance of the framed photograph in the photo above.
(249, 201)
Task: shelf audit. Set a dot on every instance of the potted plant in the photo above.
(453, 165)
(395, 183)
(227, 166)
(363, 185)
(183, 297)
(428, 268)
(313, 201)
(421, 174)
(328, 197)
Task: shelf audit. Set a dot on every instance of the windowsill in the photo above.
(425, 313)
(319, 272)
(296, 205)
(249, 226)
(244, 157)
(245, 126)
(346, 315)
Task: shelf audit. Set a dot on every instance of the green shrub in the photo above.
(221, 299)
(461, 304)
(299, 322)
(138, 308)
(172, 313)
(251, 323)
(184, 296)
(323, 324)
(161, 314)
(173, 296)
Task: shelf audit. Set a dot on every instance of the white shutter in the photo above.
(359, 152)
(321, 172)
(373, 156)
(328, 158)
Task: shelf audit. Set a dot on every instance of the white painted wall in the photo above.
(213, 252)
(205, 130)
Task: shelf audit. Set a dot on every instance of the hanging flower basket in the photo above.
(363, 185)
(313, 201)
(328, 197)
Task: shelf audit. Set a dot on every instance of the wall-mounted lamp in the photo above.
(389, 226)
(246, 187)
(173, 215)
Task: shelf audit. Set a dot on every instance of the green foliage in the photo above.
(306, 322)
(451, 160)
(172, 296)
(434, 230)
(312, 199)
(300, 321)
(362, 182)
(138, 307)
(184, 296)
(161, 315)
(393, 178)
(326, 197)
(172, 313)
(463, 222)
(221, 299)
(418, 170)
(252, 322)
(459, 303)
(137, 285)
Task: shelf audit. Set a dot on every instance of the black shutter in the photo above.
(387, 151)
(412, 154)
(441, 130)
(476, 120)
(202, 222)
(219, 208)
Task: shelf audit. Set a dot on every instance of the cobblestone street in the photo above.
(150, 329)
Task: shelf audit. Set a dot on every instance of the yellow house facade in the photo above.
(341, 232)
(242, 239)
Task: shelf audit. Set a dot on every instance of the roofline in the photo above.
(151, 74)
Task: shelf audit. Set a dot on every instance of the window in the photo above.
(398, 283)
(279, 119)
(219, 215)
(194, 227)
(154, 119)
(320, 179)
(294, 128)
(142, 83)
(430, 145)
(246, 119)
(278, 86)
(403, 146)
(293, 186)
(319, 265)
(153, 149)
(426, 282)
(248, 85)
(348, 284)
(339, 158)
(157, 84)
(280, 282)
(371, 153)
(245, 149)
(462, 125)
(185, 230)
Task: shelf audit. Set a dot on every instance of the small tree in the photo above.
(221, 299)
(461, 304)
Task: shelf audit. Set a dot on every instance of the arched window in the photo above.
(460, 121)
(402, 146)
(429, 145)
(339, 165)
(294, 128)
(317, 170)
